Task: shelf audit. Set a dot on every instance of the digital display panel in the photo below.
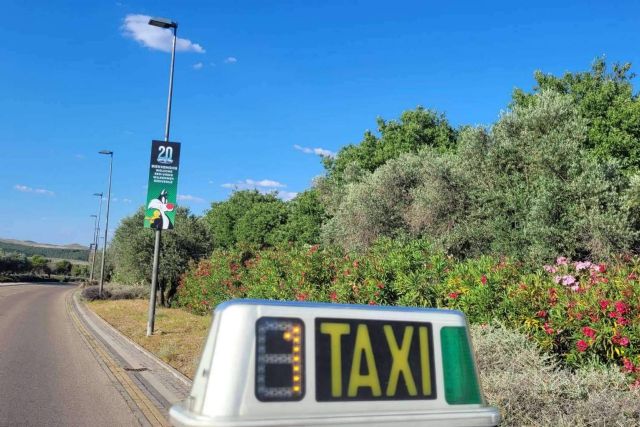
(373, 360)
(279, 359)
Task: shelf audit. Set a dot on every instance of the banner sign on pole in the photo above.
(163, 185)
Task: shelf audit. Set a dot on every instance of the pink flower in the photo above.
(589, 332)
(575, 288)
(621, 307)
(302, 296)
(602, 268)
(541, 313)
(547, 328)
(483, 279)
(557, 279)
(334, 296)
(622, 321)
(624, 341)
(562, 261)
(568, 280)
(628, 365)
(582, 345)
(550, 269)
(372, 302)
(454, 295)
(604, 304)
(582, 265)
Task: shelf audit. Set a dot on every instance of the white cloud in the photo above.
(189, 198)
(26, 189)
(253, 184)
(287, 195)
(318, 151)
(198, 66)
(125, 200)
(231, 60)
(137, 27)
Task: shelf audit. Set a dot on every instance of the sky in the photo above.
(262, 89)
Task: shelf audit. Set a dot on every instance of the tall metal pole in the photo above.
(156, 247)
(106, 224)
(92, 247)
(96, 237)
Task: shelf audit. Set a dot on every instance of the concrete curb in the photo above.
(161, 383)
(87, 312)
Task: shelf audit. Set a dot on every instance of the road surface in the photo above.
(48, 374)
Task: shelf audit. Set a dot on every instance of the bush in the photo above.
(115, 292)
(92, 293)
(527, 188)
(580, 312)
(530, 388)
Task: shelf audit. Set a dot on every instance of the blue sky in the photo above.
(259, 86)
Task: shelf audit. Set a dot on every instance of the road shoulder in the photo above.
(153, 385)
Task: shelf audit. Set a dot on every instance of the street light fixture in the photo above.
(106, 224)
(162, 23)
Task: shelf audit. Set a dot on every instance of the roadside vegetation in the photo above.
(177, 340)
(532, 222)
(17, 267)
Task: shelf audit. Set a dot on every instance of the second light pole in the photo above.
(166, 24)
(106, 223)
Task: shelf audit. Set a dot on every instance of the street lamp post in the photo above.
(96, 234)
(92, 246)
(167, 24)
(106, 223)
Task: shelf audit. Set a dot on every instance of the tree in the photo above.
(40, 265)
(415, 130)
(526, 188)
(62, 267)
(14, 263)
(247, 217)
(132, 250)
(304, 219)
(605, 99)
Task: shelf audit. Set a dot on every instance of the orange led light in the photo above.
(296, 329)
(296, 358)
(287, 336)
(296, 368)
(296, 378)
(296, 348)
(296, 389)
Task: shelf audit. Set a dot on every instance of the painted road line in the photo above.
(151, 413)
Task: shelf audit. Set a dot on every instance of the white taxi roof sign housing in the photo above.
(271, 363)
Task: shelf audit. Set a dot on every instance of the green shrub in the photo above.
(578, 311)
(531, 389)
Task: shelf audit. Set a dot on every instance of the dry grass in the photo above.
(178, 338)
(531, 389)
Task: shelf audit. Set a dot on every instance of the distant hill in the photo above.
(29, 248)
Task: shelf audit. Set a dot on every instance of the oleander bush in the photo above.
(532, 389)
(580, 312)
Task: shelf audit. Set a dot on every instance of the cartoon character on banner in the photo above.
(159, 220)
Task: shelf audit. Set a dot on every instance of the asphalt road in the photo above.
(48, 375)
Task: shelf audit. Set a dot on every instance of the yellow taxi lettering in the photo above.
(424, 360)
(335, 331)
(356, 379)
(400, 361)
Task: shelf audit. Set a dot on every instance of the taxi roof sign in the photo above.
(269, 363)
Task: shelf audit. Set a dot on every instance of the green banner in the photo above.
(162, 190)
